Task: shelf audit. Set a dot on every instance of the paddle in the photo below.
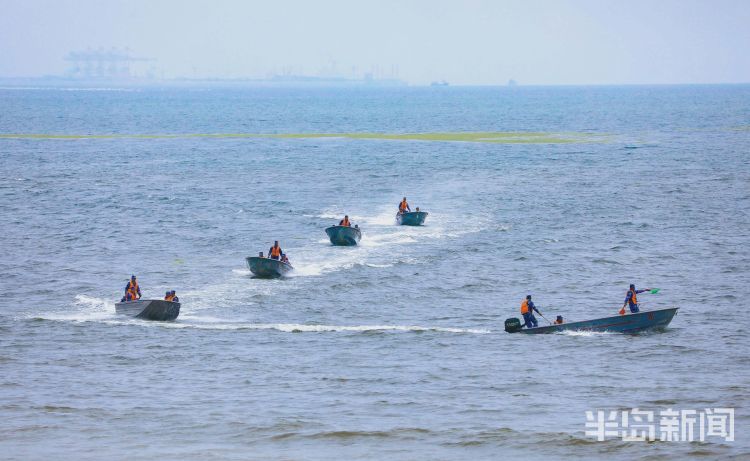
(652, 291)
(545, 318)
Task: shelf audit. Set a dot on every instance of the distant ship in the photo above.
(440, 83)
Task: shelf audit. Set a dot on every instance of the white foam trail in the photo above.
(90, 309)
(299, 328)
(101, 310)
(584, 333)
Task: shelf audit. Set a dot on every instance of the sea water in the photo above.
(393, 349)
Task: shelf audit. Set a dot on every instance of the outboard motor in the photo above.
(512, 325)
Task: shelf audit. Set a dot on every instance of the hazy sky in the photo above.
(463, 42)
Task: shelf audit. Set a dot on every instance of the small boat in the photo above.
(267, 267)
(630, 323)
(411, 218)
(344, 235)
(149, 309)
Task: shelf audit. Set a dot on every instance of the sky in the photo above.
(466, 42)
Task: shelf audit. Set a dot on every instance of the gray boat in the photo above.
(632, 323)
(149, 309)
(344, 235)
(411, 218)
(267, 267)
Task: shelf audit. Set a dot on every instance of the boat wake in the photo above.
(313, 328)
(584, 333)
(101, 311)
(379, 232)
(84, 309)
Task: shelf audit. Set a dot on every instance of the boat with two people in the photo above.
(344, 234)
(406, 217)
(133, 305)
(634, 322)
(275, 265)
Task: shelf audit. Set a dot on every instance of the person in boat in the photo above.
(527, 310)
(559, 320)
(345, 222)
(260, 254)
(174, 299)
(133, 289)
(417, 209)
(403, 207)
(284, 259)
(631, 299)
(168, 296)
(275, 251)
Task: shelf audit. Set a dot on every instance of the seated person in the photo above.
(175, 299)
(168, 296)
(559, 320)
(284, 259)
(260, 254)
(133, 288)
(345, 222)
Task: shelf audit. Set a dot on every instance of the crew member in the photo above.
(559, 320)
(168, 296)
(174, 299)
(345, 222)
(632, 300)
(133, 288)
(403, 207)
(527, 310)
(275, 251)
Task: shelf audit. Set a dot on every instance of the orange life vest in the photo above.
(276, 251)
(633, 298)
(403, 205)
(133, 289)
(168, 298)
(345, 222)
(525, 306)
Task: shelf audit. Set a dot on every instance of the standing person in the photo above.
(275, 251)
(631, 299)
(345, 222)
(403, 207)
(527, 310)
(133, 288)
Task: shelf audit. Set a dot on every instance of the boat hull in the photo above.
(344, 235)
(267, 267)
(149, 309)
(630, 323)
(412, 218)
